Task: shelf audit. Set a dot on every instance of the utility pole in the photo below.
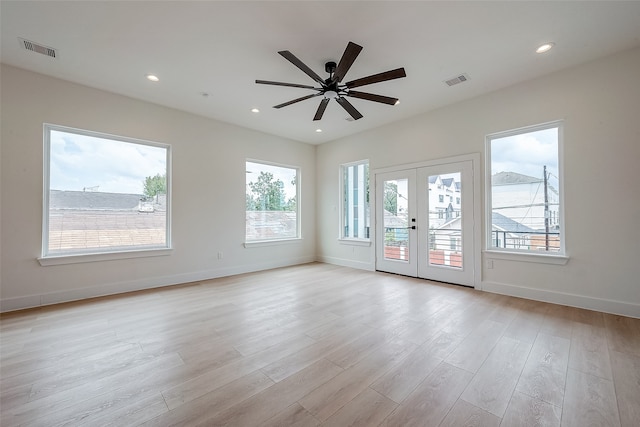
(546, 209)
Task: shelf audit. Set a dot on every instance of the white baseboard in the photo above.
(32, 301)
(360, 265)
(573, 300)
(562, 298)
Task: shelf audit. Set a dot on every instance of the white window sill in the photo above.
(527, 257)
(355, 242)
(262, 243)
(97, 257)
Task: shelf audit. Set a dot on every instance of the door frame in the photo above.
(476, 208)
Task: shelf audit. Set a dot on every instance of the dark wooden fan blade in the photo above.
(267, 82)
(295, 61)
(349, 108)
(376, 78)
(321, 108)
(350, 54)
(373, 97)
(296, 100)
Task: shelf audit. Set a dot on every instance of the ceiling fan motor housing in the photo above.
(330, 67)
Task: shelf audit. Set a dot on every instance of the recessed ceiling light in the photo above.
(318, 130)
(255, 110)
(153, 78)
(397, 102)
(545, 47)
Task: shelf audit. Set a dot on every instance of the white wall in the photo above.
(599, 101)
(208, 192)
(600, 104)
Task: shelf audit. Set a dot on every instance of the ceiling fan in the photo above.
(333, 88)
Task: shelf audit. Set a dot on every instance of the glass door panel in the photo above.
(396, 219)
(396, 240)
(445, 220)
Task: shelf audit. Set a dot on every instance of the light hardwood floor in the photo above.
(318, 345)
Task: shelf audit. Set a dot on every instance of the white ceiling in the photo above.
(221, 48)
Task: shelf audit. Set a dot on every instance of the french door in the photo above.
(425, 222)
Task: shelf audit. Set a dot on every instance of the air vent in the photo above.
(457, 79)
(38, 48)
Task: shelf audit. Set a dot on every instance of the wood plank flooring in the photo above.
(317, 345)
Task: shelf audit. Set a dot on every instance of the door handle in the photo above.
(413, 227)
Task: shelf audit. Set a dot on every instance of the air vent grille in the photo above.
(457, 80)
(38, 48)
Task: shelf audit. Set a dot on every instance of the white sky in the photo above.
(527, 154)
(80, 161)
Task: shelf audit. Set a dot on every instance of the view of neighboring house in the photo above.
(518, 217)
(91, 219)
(445, 209)
(518, 206)
(521, 198)
(509, 234)
(396, 235)
(270, 225)
(445, 243)
(444, 199)
(444, 206)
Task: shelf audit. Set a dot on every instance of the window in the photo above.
(441, 198)
(524, 185)
(355, 201)
(454, 244)
(103, 193)
(271, 202)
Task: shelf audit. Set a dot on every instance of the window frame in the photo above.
(358, 241)
(98, 254)
(492, 252)
(284, 240)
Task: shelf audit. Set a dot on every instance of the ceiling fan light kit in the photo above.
(333, 88)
